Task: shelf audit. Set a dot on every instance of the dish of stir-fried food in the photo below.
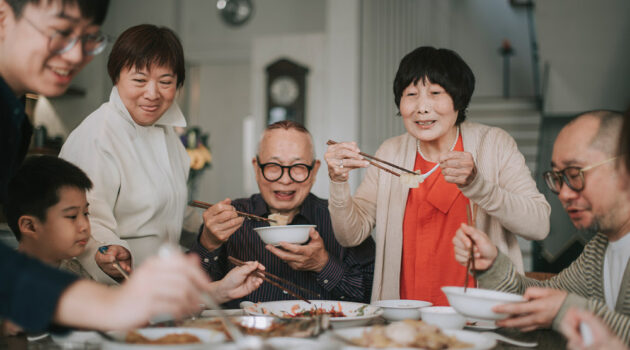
(134, 337)
(272, 327)
(315, 311)
(408, 334)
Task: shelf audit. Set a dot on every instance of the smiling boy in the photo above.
(49, 214)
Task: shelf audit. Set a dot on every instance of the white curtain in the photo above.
(389, 30)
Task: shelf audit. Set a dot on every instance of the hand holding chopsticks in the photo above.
(204, 205)
(372, 160)
(266, 276)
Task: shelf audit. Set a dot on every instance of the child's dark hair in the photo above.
(35, 188)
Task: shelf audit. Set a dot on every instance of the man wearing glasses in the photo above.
(285, 169)
(42, 47)
(594, 191)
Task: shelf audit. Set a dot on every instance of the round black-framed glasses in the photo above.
(60, 43)
(572, 176)
(273, 172)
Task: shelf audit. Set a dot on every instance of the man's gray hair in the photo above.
(287, 125)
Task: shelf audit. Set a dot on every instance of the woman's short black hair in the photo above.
(439, 66)
(144, 45)
(92, 9)
(35, 188)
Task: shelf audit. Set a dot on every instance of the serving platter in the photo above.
(478, 341)
(356, 314)
(206, 336)
(265, 326)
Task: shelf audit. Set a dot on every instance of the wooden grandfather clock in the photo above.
(286, 91)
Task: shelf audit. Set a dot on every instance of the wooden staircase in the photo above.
(517, 116)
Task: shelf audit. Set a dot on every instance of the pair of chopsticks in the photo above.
(103, 250)
(264, 275)
(331, 142)
(471, 258)
(204, 205)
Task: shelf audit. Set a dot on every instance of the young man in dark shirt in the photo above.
(43, 45)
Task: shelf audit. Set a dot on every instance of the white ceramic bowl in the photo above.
(444, 317)
(397, 310)
(478, 303)
(357, 314)
(296, 234)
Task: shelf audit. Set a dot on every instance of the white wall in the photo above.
(586, 45)
(477, 29)
(207, 38)
(225, 92)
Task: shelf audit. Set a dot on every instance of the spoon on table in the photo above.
(510, 341)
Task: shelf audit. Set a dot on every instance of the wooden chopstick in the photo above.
(471, 258)
(204, 205)
(238, 262)
(383, 168)
(331, 142)
(262, 274)
(120, 269)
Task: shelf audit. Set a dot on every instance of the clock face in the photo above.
(284, 90)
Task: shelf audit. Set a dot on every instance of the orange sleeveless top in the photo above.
(433, 214)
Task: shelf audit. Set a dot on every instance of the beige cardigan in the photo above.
(504, 190)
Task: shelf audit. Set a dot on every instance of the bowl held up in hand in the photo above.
(478, 303)
(296, 234)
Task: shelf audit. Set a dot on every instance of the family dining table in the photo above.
(546, 339)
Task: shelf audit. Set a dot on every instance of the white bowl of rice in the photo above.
(296, 234)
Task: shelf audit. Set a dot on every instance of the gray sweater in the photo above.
(583, 280)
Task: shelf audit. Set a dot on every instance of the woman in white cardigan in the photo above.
(475, 165)
(129, 149)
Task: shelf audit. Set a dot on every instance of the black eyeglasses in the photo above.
(572, 176)
(60, 42)
(273, 171)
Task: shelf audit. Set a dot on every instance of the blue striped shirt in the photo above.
(347, 275)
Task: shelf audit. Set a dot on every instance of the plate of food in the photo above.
(171, 338)
(265, 326)
(411, 334)
(341, 313)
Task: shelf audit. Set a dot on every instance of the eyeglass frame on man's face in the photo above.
(282, 167)
(100, 37)
(551, 176)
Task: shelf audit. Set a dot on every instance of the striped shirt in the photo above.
(583, 280)
(347, 275)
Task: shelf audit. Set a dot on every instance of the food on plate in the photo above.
(411, 180)
(280, 220)
(408, 334)
(274, 328)
(296, 311)
(134, 337)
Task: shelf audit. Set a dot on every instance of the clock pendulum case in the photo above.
(286, 91)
